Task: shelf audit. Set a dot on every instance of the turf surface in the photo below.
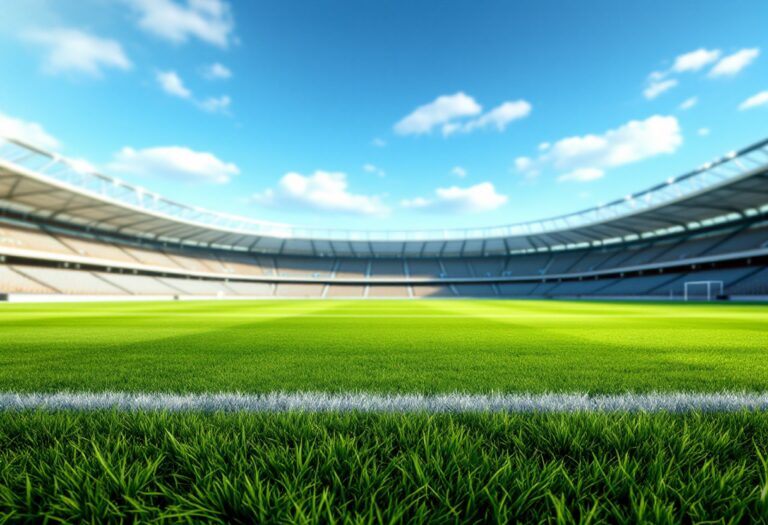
(383, 346)
(108, 466)
(327, 468)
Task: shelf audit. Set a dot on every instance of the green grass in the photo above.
(383, 346)
(302, 468)
(121, 467)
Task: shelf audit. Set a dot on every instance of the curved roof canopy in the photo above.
(51, 187)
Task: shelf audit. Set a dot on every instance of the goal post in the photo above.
(713, 289)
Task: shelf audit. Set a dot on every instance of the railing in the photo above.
(80, 176)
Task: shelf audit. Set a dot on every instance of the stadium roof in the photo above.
(51, 187)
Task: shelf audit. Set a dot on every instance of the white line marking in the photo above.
(676, 402)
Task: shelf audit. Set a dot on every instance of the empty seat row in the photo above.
(233, 263)
(26, 279)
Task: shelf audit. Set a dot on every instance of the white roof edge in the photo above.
(70, 175)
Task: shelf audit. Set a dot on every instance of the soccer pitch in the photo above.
(423, 347)
(118, 465)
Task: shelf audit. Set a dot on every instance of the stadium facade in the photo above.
(67, 232)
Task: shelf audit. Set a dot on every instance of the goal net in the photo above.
(702, 290)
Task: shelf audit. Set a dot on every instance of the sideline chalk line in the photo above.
(675, 402)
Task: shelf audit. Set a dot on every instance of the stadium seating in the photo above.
(310, 291)
(578, 288)
(486, 267)
(237, 264)
(645, 285)
(40, 280)
(388, 291)
(197, 286)
(69, 231)
(138, 284)
(517, 289)
(422, 291)
(749, 239)
(536, 264)
(252, 289)
(346, 291)
(352, 268)
(389, 268)
(121, 267)
(14, 282)
(304, 267)
(30, 238)
(92, 248)
(424, 267)
(754, 283)
(69, 282)
(455, 267)
(475, 290)
(151, 258)
(189, 263)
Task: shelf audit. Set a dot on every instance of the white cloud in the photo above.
(416, 202)
(450, 128)
(217, 71)
(659, 82)
(523, 163)
(499, 117)
(582, 175)
(208, 20)
(528, 167)
(634, 141)
(703, 132)
(695, 60)
(216, 104)
(544, 146)
(760, 99)
(689, 103)
(378, 142)
(174, 162)
(451, 113)
(75, 51)
(459, 172)
(656, 88)
(171, 83)
(733, 64)
(370, 168)
(30, 132)
(322, 191)
(440, 111)
(474, 199)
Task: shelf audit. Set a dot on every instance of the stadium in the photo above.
(70, 232)
(206, 347)
(383, 263)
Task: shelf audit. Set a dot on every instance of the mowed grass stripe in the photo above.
(384, 347)
(400, 315)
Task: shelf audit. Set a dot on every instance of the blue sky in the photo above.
(385, 114)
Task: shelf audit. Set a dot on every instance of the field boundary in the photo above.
(674, 402)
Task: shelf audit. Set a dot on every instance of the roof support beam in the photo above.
(12, 190)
